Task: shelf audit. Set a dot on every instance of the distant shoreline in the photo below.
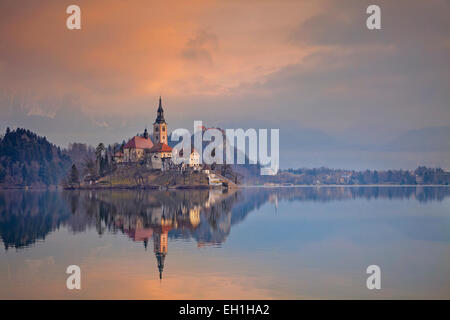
(208, 187)
(344, 185)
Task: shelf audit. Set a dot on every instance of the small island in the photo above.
(148, 162)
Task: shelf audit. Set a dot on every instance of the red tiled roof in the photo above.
(139, 234)
(161, 147)
(139, 143)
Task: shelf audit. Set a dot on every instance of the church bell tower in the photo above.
(160, 126)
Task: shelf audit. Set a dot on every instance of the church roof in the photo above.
(139, 143)
(161, 147)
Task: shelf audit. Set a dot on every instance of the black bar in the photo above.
(221, 309)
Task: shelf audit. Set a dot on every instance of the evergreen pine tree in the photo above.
(74, 175)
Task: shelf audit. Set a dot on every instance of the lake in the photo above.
(251, 243)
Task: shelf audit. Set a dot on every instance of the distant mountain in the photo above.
(27, 159)
(311, 140)
(421, 140)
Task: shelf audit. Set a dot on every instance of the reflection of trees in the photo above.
(203, 215)
(325, 194)
(26, 217)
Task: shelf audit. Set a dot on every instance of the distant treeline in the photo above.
(317, 176)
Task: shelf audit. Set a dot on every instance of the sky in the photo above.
(342, 96)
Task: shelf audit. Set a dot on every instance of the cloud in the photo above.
(37, 111)
(298, 66)
(337, 24)
(101, 124)
(200, 47)
(403, 22)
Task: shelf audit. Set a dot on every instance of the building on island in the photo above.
(192, 162)
(134, 150)
(153, 149)
(161, 151)
(194, 159)
(142, 148)
(160, 154)
(118, 157)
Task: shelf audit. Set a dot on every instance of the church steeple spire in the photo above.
(160, 126)
(160, 113)
(160, 257)
(160, 248)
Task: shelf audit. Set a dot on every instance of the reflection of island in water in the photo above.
(202, 215)
(205, 216)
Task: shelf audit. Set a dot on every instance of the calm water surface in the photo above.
(284, 243)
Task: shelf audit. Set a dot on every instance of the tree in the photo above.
(30, 159)
(24, 175)
(99, 152)
(74, 177)
(104, 165)
(101, 165)
(2, 174)
(89, 167)
(43, 173)
(375, 177)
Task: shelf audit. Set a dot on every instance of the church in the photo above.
(142, 148)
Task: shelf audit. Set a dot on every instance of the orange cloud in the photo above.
(130, 51)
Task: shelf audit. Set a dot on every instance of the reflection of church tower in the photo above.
(160, 126)
(160, 248)
(160, 257)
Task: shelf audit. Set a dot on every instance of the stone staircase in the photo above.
(216, 179)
